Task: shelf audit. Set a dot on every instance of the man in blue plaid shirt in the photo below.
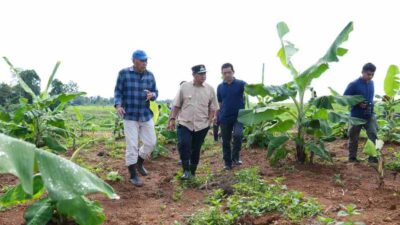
(134, 90)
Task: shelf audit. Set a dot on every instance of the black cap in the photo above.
(199, 69)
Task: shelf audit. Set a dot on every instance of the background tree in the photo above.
(6, 93)
(71, 87)
(57, 87)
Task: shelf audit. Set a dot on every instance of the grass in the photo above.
(102, 116)
(253, 196)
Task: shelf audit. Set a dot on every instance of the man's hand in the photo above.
(120, 111)
(363, 105)
(215, 120)
(149, 95)
(171, 124)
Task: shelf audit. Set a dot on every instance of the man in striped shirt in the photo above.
(135, 88)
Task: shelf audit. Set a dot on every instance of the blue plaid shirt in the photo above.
(130, 94)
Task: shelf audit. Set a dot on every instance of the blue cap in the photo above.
(139, 54)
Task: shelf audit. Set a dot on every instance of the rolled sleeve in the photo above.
(118, 91)
(214, 106)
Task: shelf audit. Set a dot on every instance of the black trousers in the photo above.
(189, 143)
(215, 132)
(231, 152)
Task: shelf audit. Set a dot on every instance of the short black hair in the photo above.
(369, 67)
(227, 65)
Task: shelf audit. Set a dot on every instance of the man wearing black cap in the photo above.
(196, 104)
(134, 90)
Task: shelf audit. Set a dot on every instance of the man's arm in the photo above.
(118, 92)
(154, 90)
(219, 98)
(152, 94)
(349, 89)
(212, 108)
(176, 107)
(172, 117)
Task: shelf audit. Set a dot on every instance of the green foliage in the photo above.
(348, 210)
(255, 135)
(118, 129)
(374, 150)
(82, 123)
(253, 196)
(114, 176)
(394, 163)
(17, 195)
(39, 212)
(196, 181)
(310, 119)
(392, 81)
(64, 182)
(369, 149)
(388, 118)
(164, 136)
(338, 180)
(41, 121)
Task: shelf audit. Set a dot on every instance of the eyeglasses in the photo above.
(143, 60)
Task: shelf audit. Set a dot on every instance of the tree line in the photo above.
(10, 93)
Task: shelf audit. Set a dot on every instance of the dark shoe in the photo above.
(237, 163)
(354, 160)
(134, 179)
(186, 171)
(372, 159)
(185, 175)
(193, 168)
(140, 167)
(227, 167)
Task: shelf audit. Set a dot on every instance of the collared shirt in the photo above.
(195, 103)
(366, 89)
(231, 99)
(131, 95)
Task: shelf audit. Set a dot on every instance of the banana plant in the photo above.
(375, 150)
(389, 119)
(41, 122)
(164, 136)
(118, 128)
(309, 120)
(56, 186)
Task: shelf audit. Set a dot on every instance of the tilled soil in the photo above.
(157, 203)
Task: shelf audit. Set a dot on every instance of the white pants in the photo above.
(133, 131)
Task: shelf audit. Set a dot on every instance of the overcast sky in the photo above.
(95, 39)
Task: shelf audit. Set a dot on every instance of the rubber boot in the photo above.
(193, 168)
(186, 172)
(134, 177)
(140, 167)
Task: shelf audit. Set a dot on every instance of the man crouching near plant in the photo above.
(135, 88)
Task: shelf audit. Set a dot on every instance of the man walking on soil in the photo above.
(135, 88)
(365, 110)
(196, 104)
(230, 95)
